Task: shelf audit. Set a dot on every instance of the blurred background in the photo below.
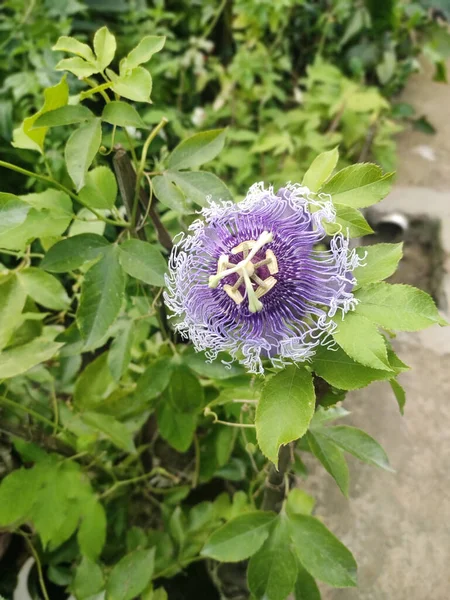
(291, 79)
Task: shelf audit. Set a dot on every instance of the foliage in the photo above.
(135, 456)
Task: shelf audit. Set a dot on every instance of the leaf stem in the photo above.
(98, 89)
(141, 168)
(63, 188)
(38, 565)
(123, 482)
(29, 411)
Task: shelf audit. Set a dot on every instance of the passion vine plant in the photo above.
(162, 372)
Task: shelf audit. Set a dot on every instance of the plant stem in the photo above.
(63, 188)
(38, 565)
(123, 482)
(29, 411)
(215, 19)
(141, 168)
(98, 89)
(275, 483)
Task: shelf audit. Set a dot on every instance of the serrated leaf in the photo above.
(65, 115)
(380, 262)
(299, 503)
(305, 586)
(101, 297)
(324, 415)
(20, 359)
(119, 355)
(321, 553)
(45, 289)
(342, 372)
(100, 189)
(349, 220)
(104, 47)
(12, 302)
(398, 307)
(76, 65)
(331, 457)
(131, 575)
(320, 170)
(13, 212)
(357, 442)
(285, 409)
(360, 339)
(93, 384)
(88, 579)
(135, 85)
(197, 150)
(17, 496)
(199, 185)
(359, 185)
(147, 47)
(240, 538)
(155, 379)
(113, 429)
(73, 252)
(272, 571)
(399, 393)
(54, 97)
(123, 115)
(91, 534)
(72, 45)
(80, 151)
(143, 261)
(169, 195)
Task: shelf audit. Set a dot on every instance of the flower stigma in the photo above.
(246, 271)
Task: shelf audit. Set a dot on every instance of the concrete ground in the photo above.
(398, 525)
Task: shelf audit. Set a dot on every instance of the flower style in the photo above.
(250, 280)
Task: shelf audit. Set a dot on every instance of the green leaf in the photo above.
(76, 65)
(359, 185)
(320, 170)
(27, 136)
(324, 415)
(17, 496)
(240, 538)
(45, 289)
(88, 579)
(358, 443)
(199, 363)
(12, 301)
(101, 297)
(359, 338)
(65, 115)
(131, 575)
(49, 215)
(168, 194)
(272, 571)
(198, 185)
(74, 252)
(299, 503)
(321, 553)
(398, 307)
(13, 212)
(285, 409)
(114, 430)
(94, 384)
(123, 115)
(143, 261)
(155, 379)
(343, 372)
(104, 47)
(198, 149)
(331, 457)
(147, 47)
(119, 355)
(177, 412)
(100, 189)
(73, 46)
(80, 151)
(135, 85)
(350, 220)
(380, 261)
(399, 393)
(305, 587)
(20, 359)
(91, 535)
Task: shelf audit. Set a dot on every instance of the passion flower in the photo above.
(254, 279)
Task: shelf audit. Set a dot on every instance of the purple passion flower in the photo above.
(250, 280)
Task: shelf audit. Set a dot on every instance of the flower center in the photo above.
(246, 270)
